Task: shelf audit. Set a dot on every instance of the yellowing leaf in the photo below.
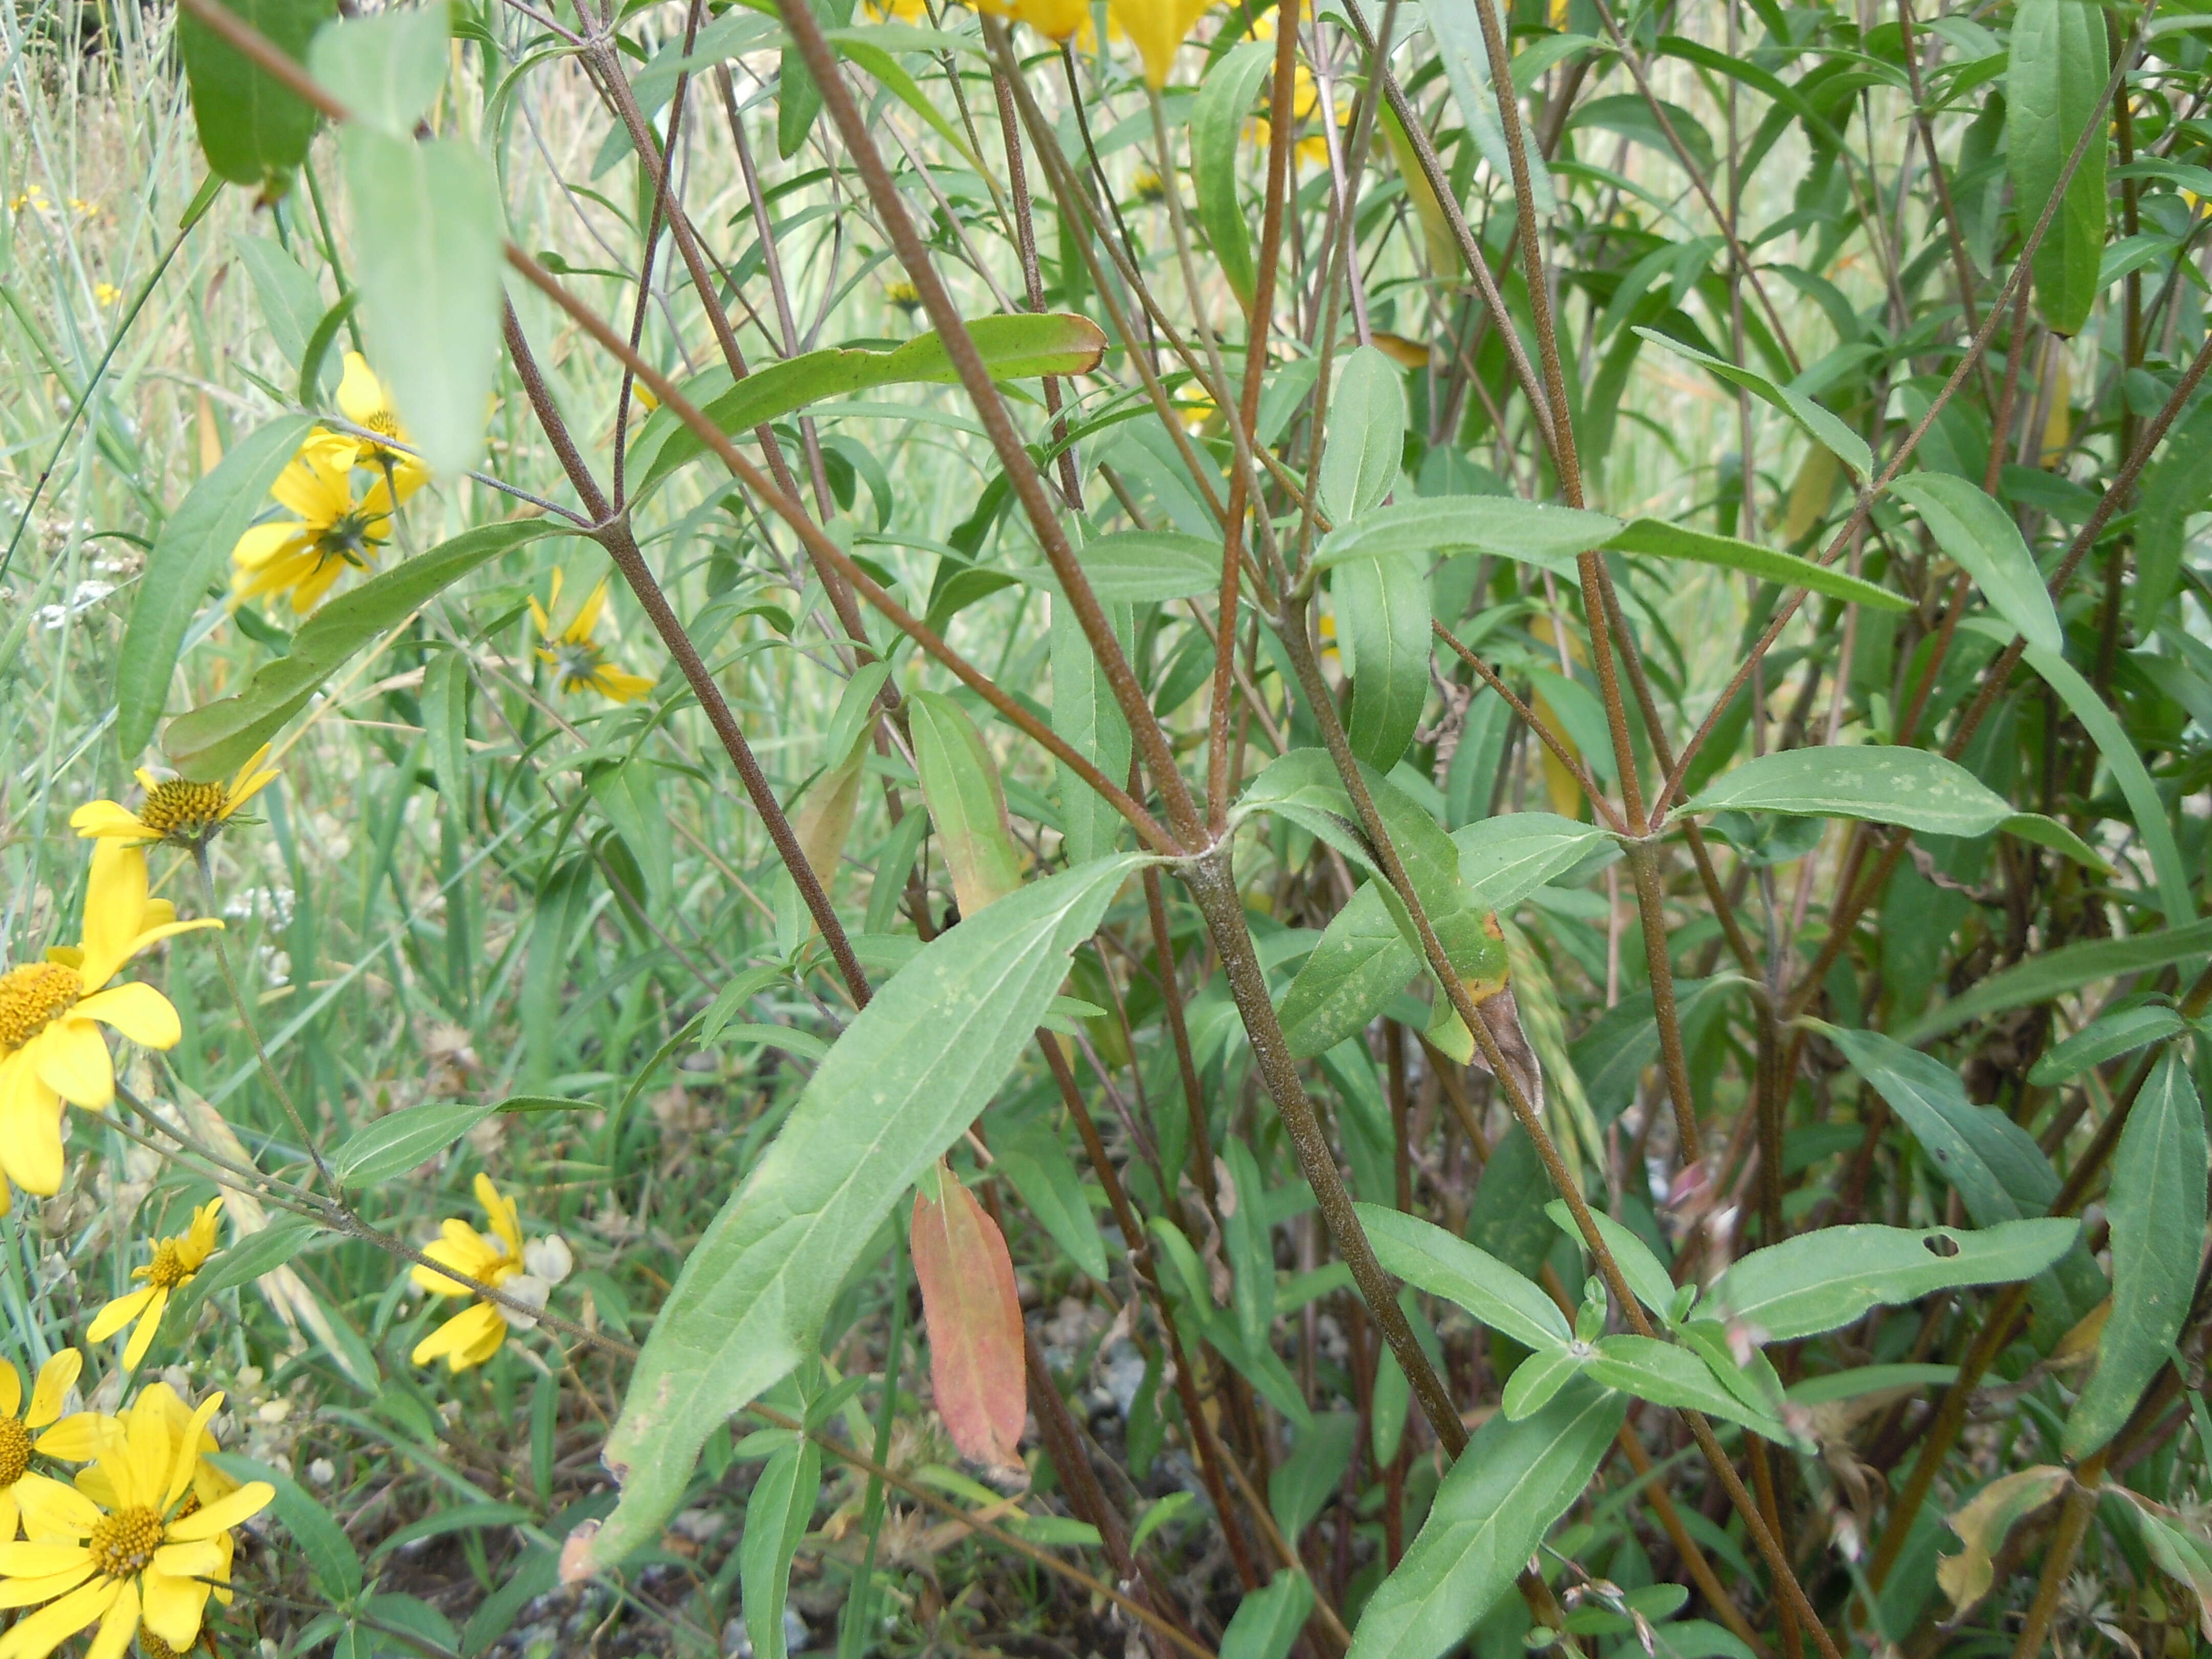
(1982, 1526)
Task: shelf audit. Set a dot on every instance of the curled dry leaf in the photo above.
(1983, 1526)
(975, 1319)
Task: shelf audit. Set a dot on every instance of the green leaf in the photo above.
(1084, 713)
(1883, 783)
(1037, 1164)
(910, 1072)
(253, 129)
(1821, 1282)
(1495, 1505)
(1143, 566)
(1669, 1375)
(1267, 1622)
(2156, 1207)
(1361, 961)
(2044, 832)
(1303, 1482)
(217, 737)
(1366, 442)
(242, 1262)
(387, 68)
(291, 303)
(1381, 610)
(401, 1140)
(446, 727)
(1647, 1276)
(1218, 118)
(2060, 61)
(1504, 859)
(2069, 968)
(2000, 1173)
(960, 784)
(778, 1512)
(1659, 539)
(190, 554)
(1981, 538)
(1537, 1380)
(1012, 348)
(330, 1553)
(426, 245)
(859, 46)
(1443, 527)
(1457, 33)
(2174, 486)
(2105, 1038)
(1816, 422)
(1303, 787)
(1427, 1257)
(2145, 804)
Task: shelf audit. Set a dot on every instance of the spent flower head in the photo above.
(51, 1011)
(177, 811)
(525, 1272)
(172, 1263)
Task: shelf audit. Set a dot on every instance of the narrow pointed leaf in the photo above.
(1981, 538)
(1882, 783)
(1656, 539)
(975, 1319)
(1426, 1256)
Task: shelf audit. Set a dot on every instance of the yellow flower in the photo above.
(578, 660)
(105, 294)
(176, 810)
(175, 1262)
(905, 296)
(141, 1553)
(903, 11)
(365, 400)
(1058, 20)
(330, 529)
(33, 196)
(1305, 99)
(526, 1272)
(50, 1049)
(1147, 185)
(17, 1482)
(1158, 27)
(81, 1438)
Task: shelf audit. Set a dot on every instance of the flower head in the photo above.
(365, 400)
(18, 1439)
(176, 810)
(905, 296)
(1158, 27)
(133, 1544)
(105, 294)
(50, 1049)
(330, 530)
(175, 1261)
(579, 661)
(1147, 185)
(525, 1272)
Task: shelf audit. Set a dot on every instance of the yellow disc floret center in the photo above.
(14, 1450)
(181, 808)
(155, 1648)
(31, 996)
(124, 1543)
(167, 1270)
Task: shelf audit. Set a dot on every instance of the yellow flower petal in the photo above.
(461, 1334)
(73, 1061)
(173, 1609)
(53, 1512)
(107, 817)
(30, 1126)
(149, 1322)
(118, 1627)
(118, 1314)
(115, 902)
(139, 1012)
(240, 1506)
(11, 1387)
(56, 1379)
(35, 1636)
(361, 394)
(40, 1560)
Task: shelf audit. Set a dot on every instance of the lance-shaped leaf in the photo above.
(1267, 1622)
(1984, 1523)
(1493, 1509)
(1656, 539)
(2105, 1038)
(2156, 1206)
(960, 783)
(2059, 62)
(2181, 1550)
(252, 127)
(778, 1512)
(1444, 526)
(1883, 783)
(217, 737)
(975, 1319)
(1035, 1161)
(1381, 605)
(2069, 968)
(1218, 118)
(1361, 962)
(1504, 859)
(1426, 1256)
(907, 1075)
(1981, 538)
(1012, 349)
(1366, 435)
(2000, 1173)
(1816, 422)
(188, 556)
(1821, 1282)
(1669, 1375)
(1647, 1276)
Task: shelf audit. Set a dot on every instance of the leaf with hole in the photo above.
(1822, 1281)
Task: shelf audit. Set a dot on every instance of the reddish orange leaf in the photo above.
(975, 1319)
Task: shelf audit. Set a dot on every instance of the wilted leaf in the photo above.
(974, 1317)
